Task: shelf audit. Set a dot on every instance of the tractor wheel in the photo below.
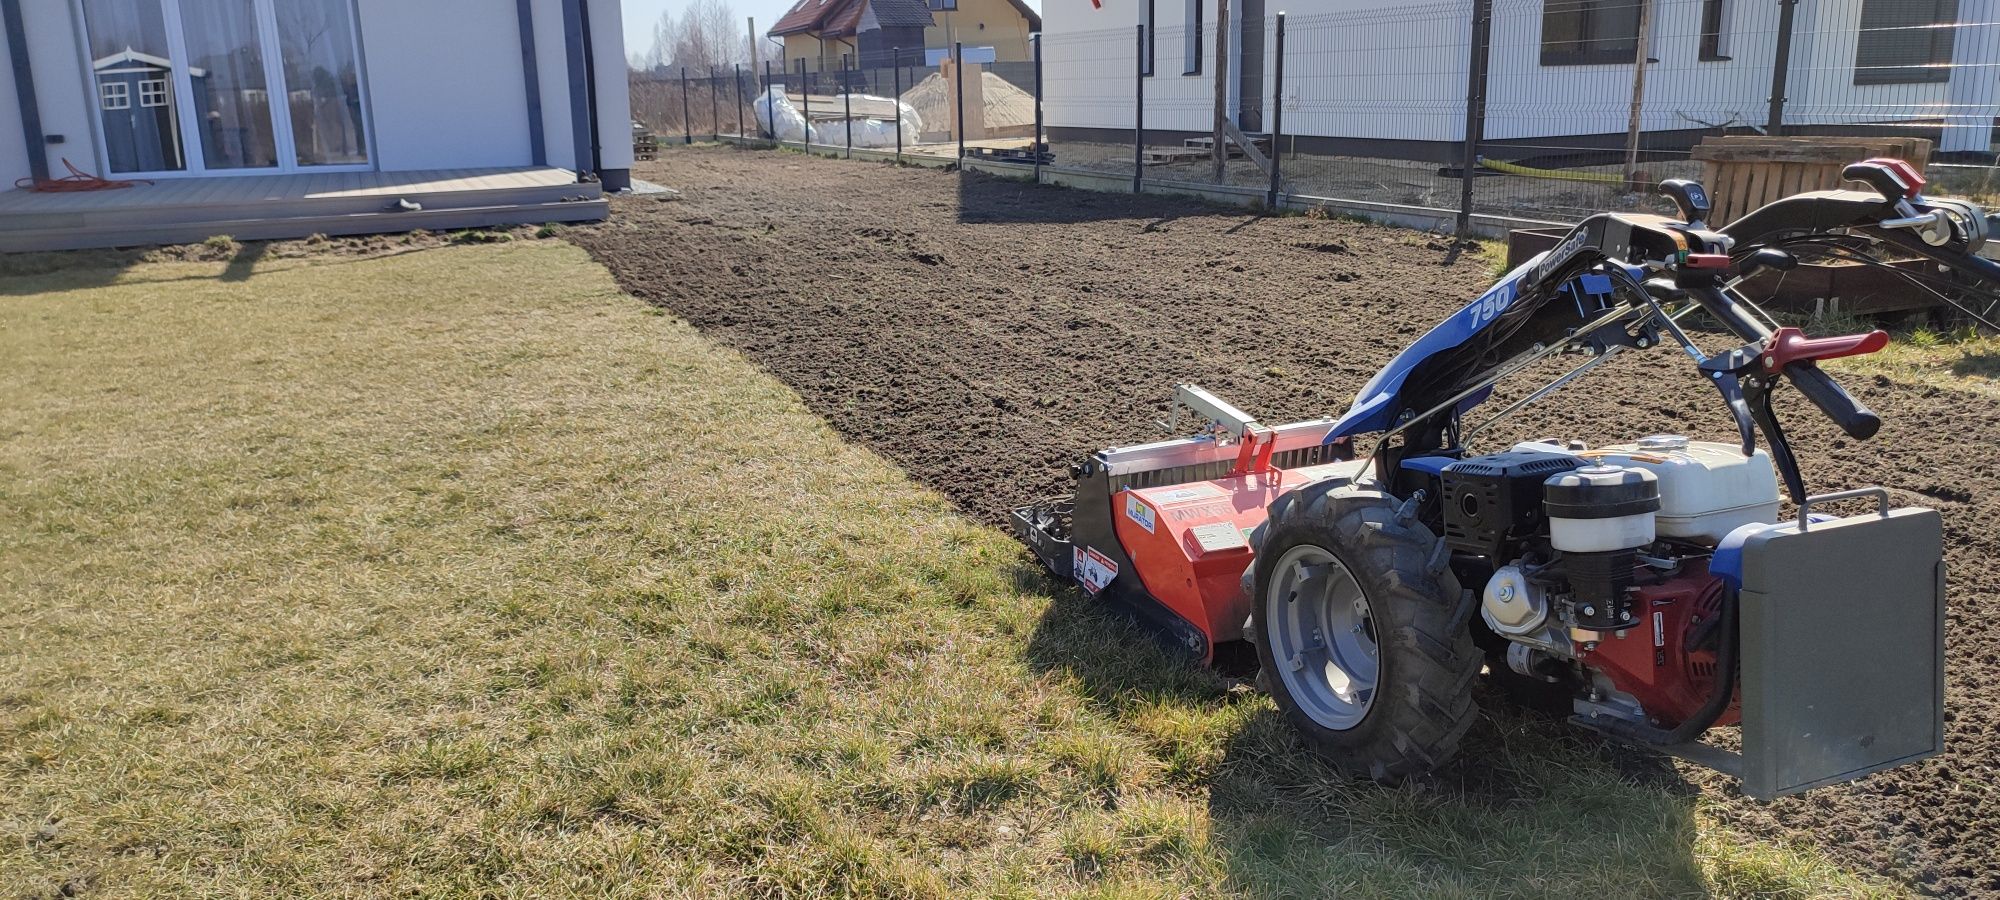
(1356, 624)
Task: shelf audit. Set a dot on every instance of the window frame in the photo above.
(1586, 9)
(153, 92)
(106, 96)
(1715, 31)
(1191, 43)
(1150, 20)
(1936, 70)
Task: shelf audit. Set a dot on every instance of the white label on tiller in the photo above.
(1191, 492)
(1093, 569)
(1217, 536)
(1137, 510)
(1659, 629)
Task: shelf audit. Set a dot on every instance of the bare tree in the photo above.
(707, 34)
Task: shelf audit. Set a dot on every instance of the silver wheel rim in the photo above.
(1323, 638)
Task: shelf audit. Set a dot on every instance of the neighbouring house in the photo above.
(285, 118)
(1003, 25)
(1369, 77)
(830, 34)
(827, 34)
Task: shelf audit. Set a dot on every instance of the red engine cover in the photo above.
(1651, 661)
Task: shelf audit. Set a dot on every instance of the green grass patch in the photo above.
(454, 572)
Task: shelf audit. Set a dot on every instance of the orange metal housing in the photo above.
(1189, 543)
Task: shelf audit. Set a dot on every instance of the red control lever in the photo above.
(1789, 345)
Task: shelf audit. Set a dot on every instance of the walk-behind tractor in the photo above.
(1649, 587)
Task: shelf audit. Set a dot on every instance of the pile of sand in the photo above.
(1006, 105)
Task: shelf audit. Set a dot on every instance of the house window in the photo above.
(1146, 19)
(945, 5)
(1714, 34)
(1905, 41)
(114, 95)
(153, 92)
(1191, 43)
(1590, 32)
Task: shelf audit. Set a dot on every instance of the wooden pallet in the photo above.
(1744, 172)
(645, 146)
(1013, 154)
(1230, 148)
(1162, 156)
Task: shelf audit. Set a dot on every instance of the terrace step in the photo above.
(146, 230)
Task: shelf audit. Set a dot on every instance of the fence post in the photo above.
(770, 114)
(1139, 111)
(687, 120)
(714, 118)
(805, 108)
(736, 80)
(1475, 108)
(1781, 64)
(1277, 116)
(1633, 130)
(1038, 145)
(958, 87)
(847, 103)
(896, 76)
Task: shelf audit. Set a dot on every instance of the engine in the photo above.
(1595, 565)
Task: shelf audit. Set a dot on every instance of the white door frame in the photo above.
(277, 99)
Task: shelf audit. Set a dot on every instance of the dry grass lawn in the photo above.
(456, 573)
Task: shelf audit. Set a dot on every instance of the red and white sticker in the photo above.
(1093, 569)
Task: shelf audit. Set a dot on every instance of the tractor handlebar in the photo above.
(1857, 420)
(1854, 418)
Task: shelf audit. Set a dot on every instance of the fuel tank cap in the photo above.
(1663, 442)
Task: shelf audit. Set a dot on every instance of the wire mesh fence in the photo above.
(1536, 110)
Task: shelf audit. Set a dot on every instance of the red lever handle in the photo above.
(1789, 345)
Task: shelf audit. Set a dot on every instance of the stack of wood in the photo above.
(1744, 172)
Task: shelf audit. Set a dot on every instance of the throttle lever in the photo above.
(1788, 345)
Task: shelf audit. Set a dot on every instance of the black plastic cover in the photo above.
(1493, 502)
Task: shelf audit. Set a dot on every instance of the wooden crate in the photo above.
(1744, 172)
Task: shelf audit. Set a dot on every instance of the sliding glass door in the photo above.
(323, 77)
(219, 86)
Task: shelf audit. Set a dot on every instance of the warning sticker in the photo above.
(1184, 494)
(1093, 569)
(1137, 510)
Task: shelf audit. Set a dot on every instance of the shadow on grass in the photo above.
(1529, 806)
(1984, 363)
(26, 274)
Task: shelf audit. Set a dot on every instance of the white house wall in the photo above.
(614, 101)
(13, 144)
(444, 79)
(62, 92)
(1397, 71)
(445, 85)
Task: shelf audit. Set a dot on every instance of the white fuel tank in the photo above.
(1707, 489)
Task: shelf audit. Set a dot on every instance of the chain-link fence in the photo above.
(1506, 110)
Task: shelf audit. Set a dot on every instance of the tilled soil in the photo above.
(985, 334)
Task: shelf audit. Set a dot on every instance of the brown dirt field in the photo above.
(985, 334)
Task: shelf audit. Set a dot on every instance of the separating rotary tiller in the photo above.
(1649, 589)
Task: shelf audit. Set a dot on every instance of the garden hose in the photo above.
(1553, 174)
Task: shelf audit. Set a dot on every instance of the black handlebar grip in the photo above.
(1858, 421)
(1876, 176)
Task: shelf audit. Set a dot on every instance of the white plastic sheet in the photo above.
(872, 134)
(778, 118)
